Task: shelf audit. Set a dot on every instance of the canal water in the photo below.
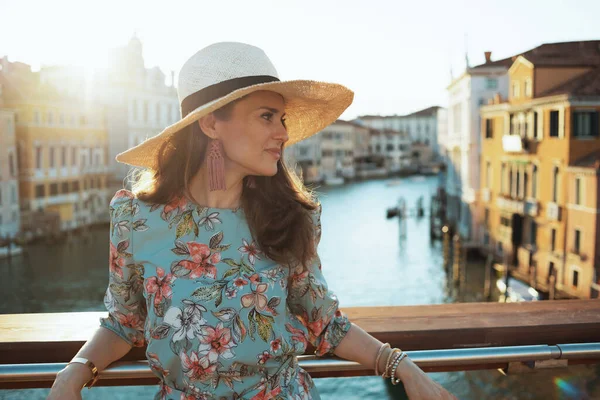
(365, 262)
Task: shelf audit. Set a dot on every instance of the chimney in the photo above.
(488, 57)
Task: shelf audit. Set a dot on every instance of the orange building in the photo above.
(532, 147)
(61, 151)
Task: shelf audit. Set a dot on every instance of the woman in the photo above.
(213, 261)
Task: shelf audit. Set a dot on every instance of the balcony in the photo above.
(532, 207)
(553, 212)
(510, 204)
(515, 144)
(486, 195)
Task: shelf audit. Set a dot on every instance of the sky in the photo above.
(397, 56)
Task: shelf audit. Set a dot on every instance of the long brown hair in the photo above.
(277, 209)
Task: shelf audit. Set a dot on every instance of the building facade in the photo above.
(61, 152)
(9, 173)
(462, 145)
(421, 127)
(139, 104)
(535, 205)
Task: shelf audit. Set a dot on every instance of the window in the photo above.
(53, 189)
(50, 118)
(99, 183)
(511, 124)
(378, 148)
(553, 239)
(13, 195)
(64, 187)
(339, 153)
(578, 191)
(38, 157)
(575, 277)
(61, 119)
(489, 128)
(11, 165)
(585, 124)
(577, 242)
(63, 156)
(536, 134)
(532, 232)
(40, 191)
(555, 185)
(85, 184)
(75, 186)
(525, 184)
(528, 87)
(36, 117)
(516, 89)
(74, 156)
(518, 182)
(553, 123)
(486, 217)
(534, 181)
(327, 153)
(51, 157)
(389, 147)
(491, 83)
(488, 174)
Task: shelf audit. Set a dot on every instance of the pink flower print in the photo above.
(251, 250)
(197, 368)
(240, 282)
(116, 260)
(178, 203)
(275, 345)
(264, 395)
(256, 298)
(264, 357)
(123, 193)
(164, 390)
(130, 319)
(216, 342)
(297, 335)
(160, 285)
(255, 279)
(202, 263)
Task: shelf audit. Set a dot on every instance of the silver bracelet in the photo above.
(394, 367)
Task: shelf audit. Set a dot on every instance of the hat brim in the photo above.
(310, 106)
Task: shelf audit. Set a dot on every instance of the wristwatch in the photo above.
(91, 366)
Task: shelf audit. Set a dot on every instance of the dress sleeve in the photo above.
(315, 305)
(124, 297)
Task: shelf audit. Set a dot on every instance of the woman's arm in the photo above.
(102, 349)
(357, 345)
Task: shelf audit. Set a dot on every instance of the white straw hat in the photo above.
(223, 72)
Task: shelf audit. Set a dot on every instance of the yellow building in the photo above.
(530, 142)
(61, 152)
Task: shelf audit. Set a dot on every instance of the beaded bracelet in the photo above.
(395, 367)
(395, 353)
(379, 353)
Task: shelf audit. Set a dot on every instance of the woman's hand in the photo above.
(418, 385)
(63, 387)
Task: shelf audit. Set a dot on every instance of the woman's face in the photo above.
(254, 135)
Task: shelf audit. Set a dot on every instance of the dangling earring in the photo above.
(216, 166)
(250, 182)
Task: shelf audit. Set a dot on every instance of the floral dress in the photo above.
(220, 320)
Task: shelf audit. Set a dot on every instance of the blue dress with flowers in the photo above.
(219, 319)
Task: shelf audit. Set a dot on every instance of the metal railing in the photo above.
(532, 357)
